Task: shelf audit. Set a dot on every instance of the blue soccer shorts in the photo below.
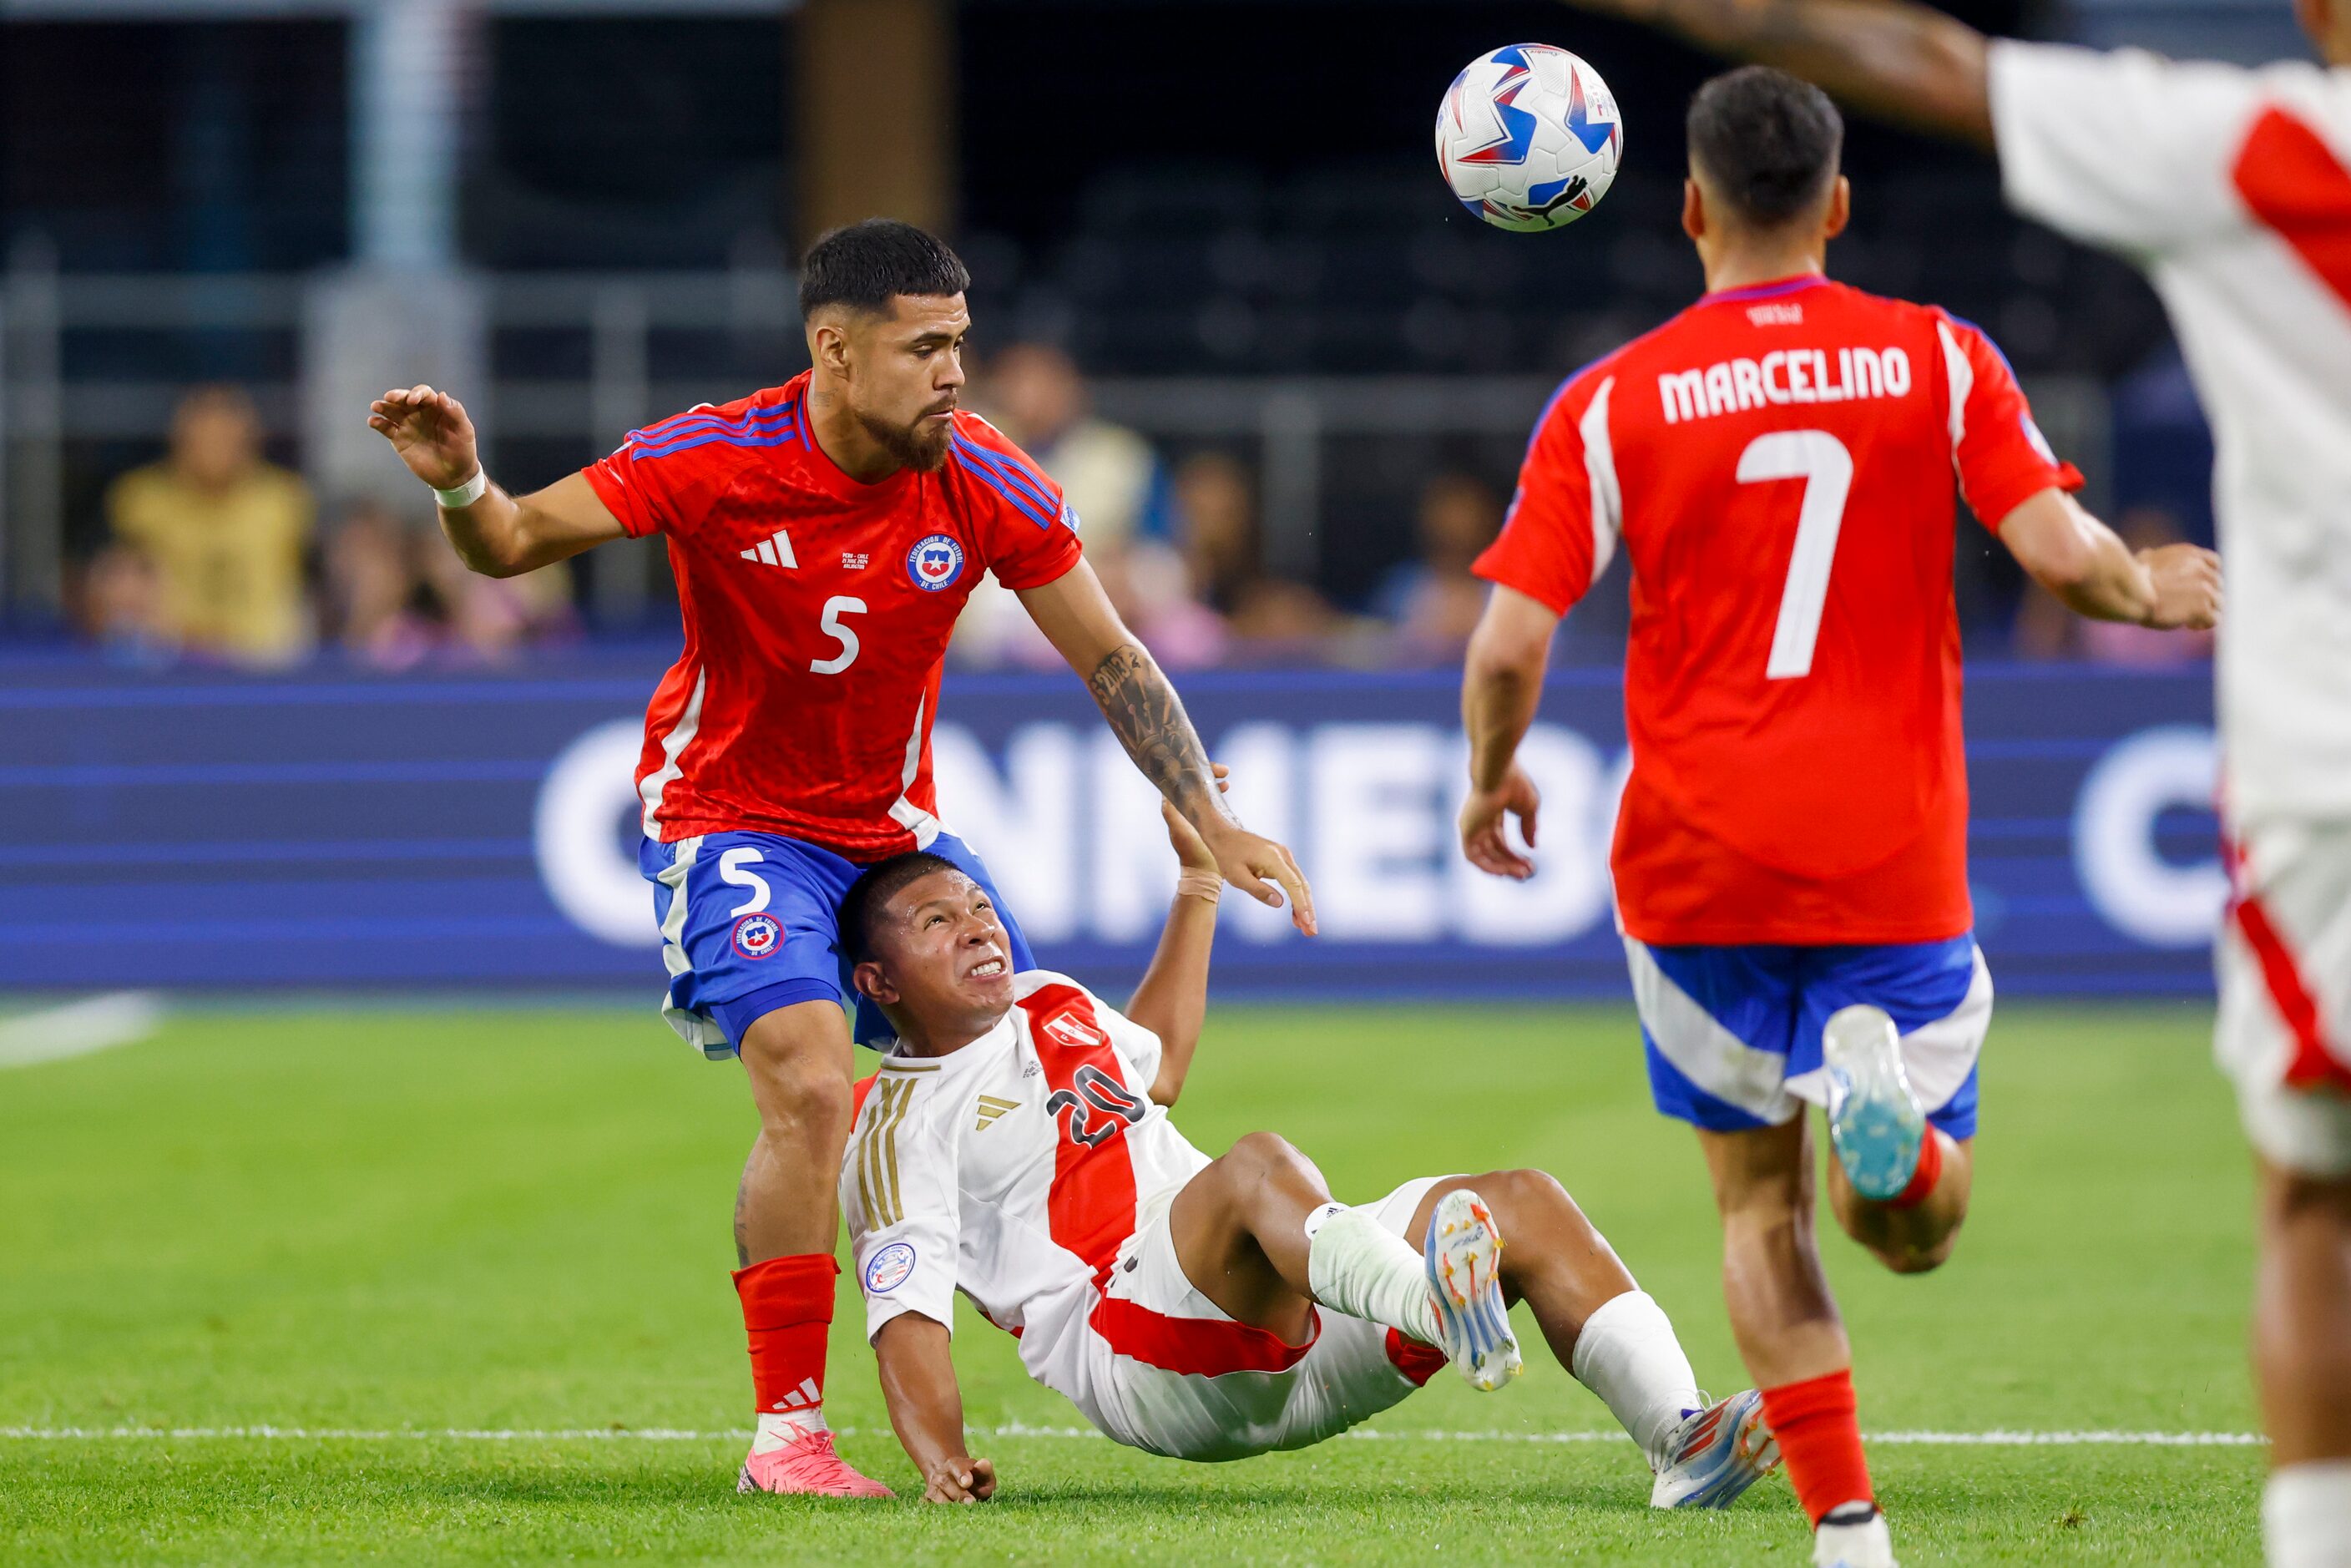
(751, 922)
(1733, 1034)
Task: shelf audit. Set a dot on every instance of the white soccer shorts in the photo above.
(1171, 1374)
(2284, 1032)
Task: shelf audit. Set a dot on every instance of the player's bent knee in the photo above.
(1258, 1152)
(1528, 1191)
(801, 1093)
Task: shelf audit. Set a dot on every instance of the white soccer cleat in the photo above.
(1464, 1254)
(1716, 1454)
(1859, 1541)
(1875, 1122)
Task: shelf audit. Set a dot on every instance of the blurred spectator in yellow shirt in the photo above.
(226, 532)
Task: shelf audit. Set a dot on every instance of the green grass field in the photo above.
(407, 1226)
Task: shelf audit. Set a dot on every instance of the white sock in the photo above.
(782, 1428)
(1627, 1355)
(2306, 1515)
(1853, 1535)
(1357, 1266)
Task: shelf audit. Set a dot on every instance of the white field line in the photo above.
(79, 1029)
(1993, 1439)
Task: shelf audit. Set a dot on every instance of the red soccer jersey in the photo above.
(1777, 462)
(817, 614)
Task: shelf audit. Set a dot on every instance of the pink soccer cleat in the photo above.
(807, 1466)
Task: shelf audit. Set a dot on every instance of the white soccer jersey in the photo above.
(2230, 188)
(1014, 1170)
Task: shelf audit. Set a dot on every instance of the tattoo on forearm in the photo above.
(1149, 721)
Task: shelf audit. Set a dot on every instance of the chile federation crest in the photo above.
(934, 562)
(757, 936)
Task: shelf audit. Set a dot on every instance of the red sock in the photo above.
(788, 1308)
(1929, 1172)
(1820, 1439)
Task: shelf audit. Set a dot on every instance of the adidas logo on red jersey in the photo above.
(775, 550)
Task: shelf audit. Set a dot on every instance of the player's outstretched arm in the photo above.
(1501, 685)
(494, 533)
(1172, 1002)
(1077, 617)
(918, 1384)
(2083, 562)
(1892, 58)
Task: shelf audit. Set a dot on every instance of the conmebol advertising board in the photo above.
(473, 830)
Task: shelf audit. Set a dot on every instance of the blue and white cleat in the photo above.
(1464, 1254)
(1875, 1122)
(1716, 1454)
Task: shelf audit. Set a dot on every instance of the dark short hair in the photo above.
(1768, 142)
(876, 886)
(864, 266)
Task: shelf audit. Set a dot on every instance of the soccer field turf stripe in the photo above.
(1993, 1439)
(79, 1029)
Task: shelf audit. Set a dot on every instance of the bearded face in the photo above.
(921, 445)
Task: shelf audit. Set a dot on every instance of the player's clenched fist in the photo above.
(431, 432)
(2187, 580)
(958, 1478)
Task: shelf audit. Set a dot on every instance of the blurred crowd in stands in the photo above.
(216, 556)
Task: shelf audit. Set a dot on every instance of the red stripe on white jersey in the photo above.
(2294, 183)
(1091, 1204)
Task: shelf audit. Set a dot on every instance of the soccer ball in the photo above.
(1528, 138)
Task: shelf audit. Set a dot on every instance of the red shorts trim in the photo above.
(1417, 1361)
(1196, 1347)
(2313, 1065)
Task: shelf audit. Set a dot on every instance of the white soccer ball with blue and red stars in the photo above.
(1528, 138)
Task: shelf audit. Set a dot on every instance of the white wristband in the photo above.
(466, 494)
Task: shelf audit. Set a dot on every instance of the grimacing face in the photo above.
(942, 960)
(903, 371)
